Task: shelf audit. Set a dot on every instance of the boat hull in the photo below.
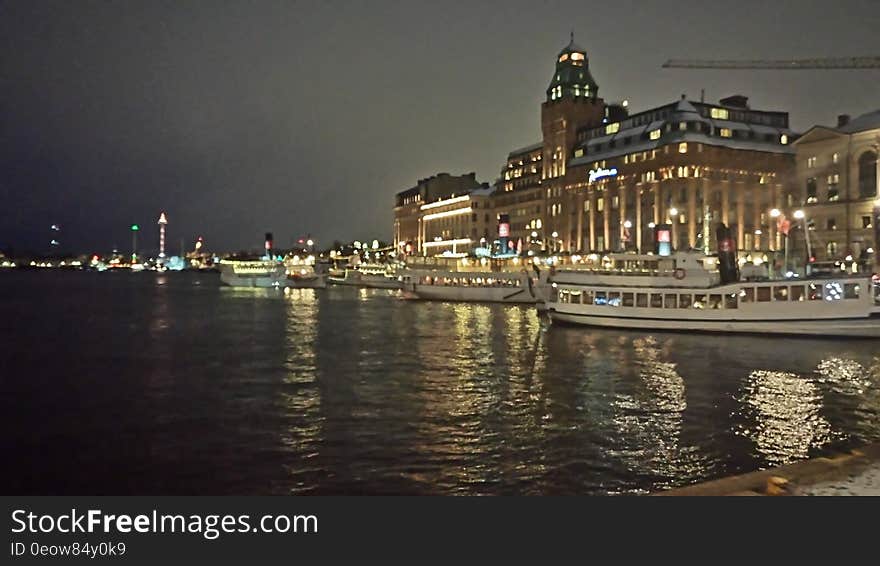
(269, 279)
(317, 282)
(862, 327)
(516, 295)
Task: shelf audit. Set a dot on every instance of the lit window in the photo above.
(577, 153)
(683, 147)
(563, 57)
(600, 204)
(612, 128)
(811, 162)
(655, 134)
(682, 126)
(835, 158)
(720, 114)
(783, 139)
(577, 56)
(726, 133)
(577, 90)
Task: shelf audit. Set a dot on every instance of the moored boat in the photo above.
(686, 292)
(253, 273)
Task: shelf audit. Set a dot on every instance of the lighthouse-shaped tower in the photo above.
(162, 222)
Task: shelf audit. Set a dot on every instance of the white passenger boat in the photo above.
(473, 280)
(377, 276)
(253, 273)
(685, 292)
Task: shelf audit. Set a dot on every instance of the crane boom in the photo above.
(789, 64)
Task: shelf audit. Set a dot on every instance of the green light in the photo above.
(135, 228)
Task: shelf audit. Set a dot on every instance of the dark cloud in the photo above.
(305, 117)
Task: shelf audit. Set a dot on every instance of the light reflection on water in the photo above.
(349, 390)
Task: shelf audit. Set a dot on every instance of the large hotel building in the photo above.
(602, 178)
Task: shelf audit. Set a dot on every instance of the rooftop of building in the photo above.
(753, 130)
(865, 122)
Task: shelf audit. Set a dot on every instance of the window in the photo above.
(600, 298)
(833, 194)
(576, 297)
(720, 113)
(714, 302)
(600, 204)
(656, 301)
(797, 293)
(747, 295)
(814, 292)
(683, 147)
(682, 126)
(725, 133)
(763, 294)
(588, 297)
(783, 139)
(614, 299)
(868, 175)
(730, 301)
(684, 301)
(654, 135)
(835, 158)
(780, 293)
(612, 128)
(866, 222)
(579, 152)
(671, 301)
(832, 224)
(627, 299)
(642, 300)
(811, 190)
(831, 249)
(851, 291)
(811, 162)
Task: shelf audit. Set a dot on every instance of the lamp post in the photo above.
(800, 215)
(627, 224)
(776, 213)
(554, 235)
(673, 220)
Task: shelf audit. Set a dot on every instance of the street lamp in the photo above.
(800, 215)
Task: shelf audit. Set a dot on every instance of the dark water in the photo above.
(146, 383)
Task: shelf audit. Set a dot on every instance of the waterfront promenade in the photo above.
(854, 473)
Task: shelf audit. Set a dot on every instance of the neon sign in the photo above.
(600, 173)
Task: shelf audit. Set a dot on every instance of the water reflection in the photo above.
(343, 390)
(785, 413)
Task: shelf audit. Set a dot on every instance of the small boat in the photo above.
(260, 273)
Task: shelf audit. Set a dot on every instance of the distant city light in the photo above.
(135, 227)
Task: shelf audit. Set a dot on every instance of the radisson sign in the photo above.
(600, 173)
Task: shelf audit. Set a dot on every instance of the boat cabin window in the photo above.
(747, 295)
(714, 302)
(614, 299)
(700, 301)
(588, 297)
(684, 301)
(814, 292)
(763, 294)
(730, 301)
(833, 291)
(627, 299)
(671, 301)
(797, 293)
(642, 300)
(780, 293)
(851, 291)
(600, 298)
(576, 297)
(656, 301)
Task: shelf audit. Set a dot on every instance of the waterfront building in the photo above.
(836, 187)
(443, 213)
(601, 179)
(686, 164)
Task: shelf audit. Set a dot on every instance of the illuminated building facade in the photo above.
(443, 213)
(688, 164)
(601, 178)
(836, 187)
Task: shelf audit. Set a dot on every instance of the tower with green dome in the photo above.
(572, 78)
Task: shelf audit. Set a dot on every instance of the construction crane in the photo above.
(780, 64)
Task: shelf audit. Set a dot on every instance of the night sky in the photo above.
(239, 118)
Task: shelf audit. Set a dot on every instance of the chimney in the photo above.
(735, 101)
(842, 120)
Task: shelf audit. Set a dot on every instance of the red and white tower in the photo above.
(162, 222)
